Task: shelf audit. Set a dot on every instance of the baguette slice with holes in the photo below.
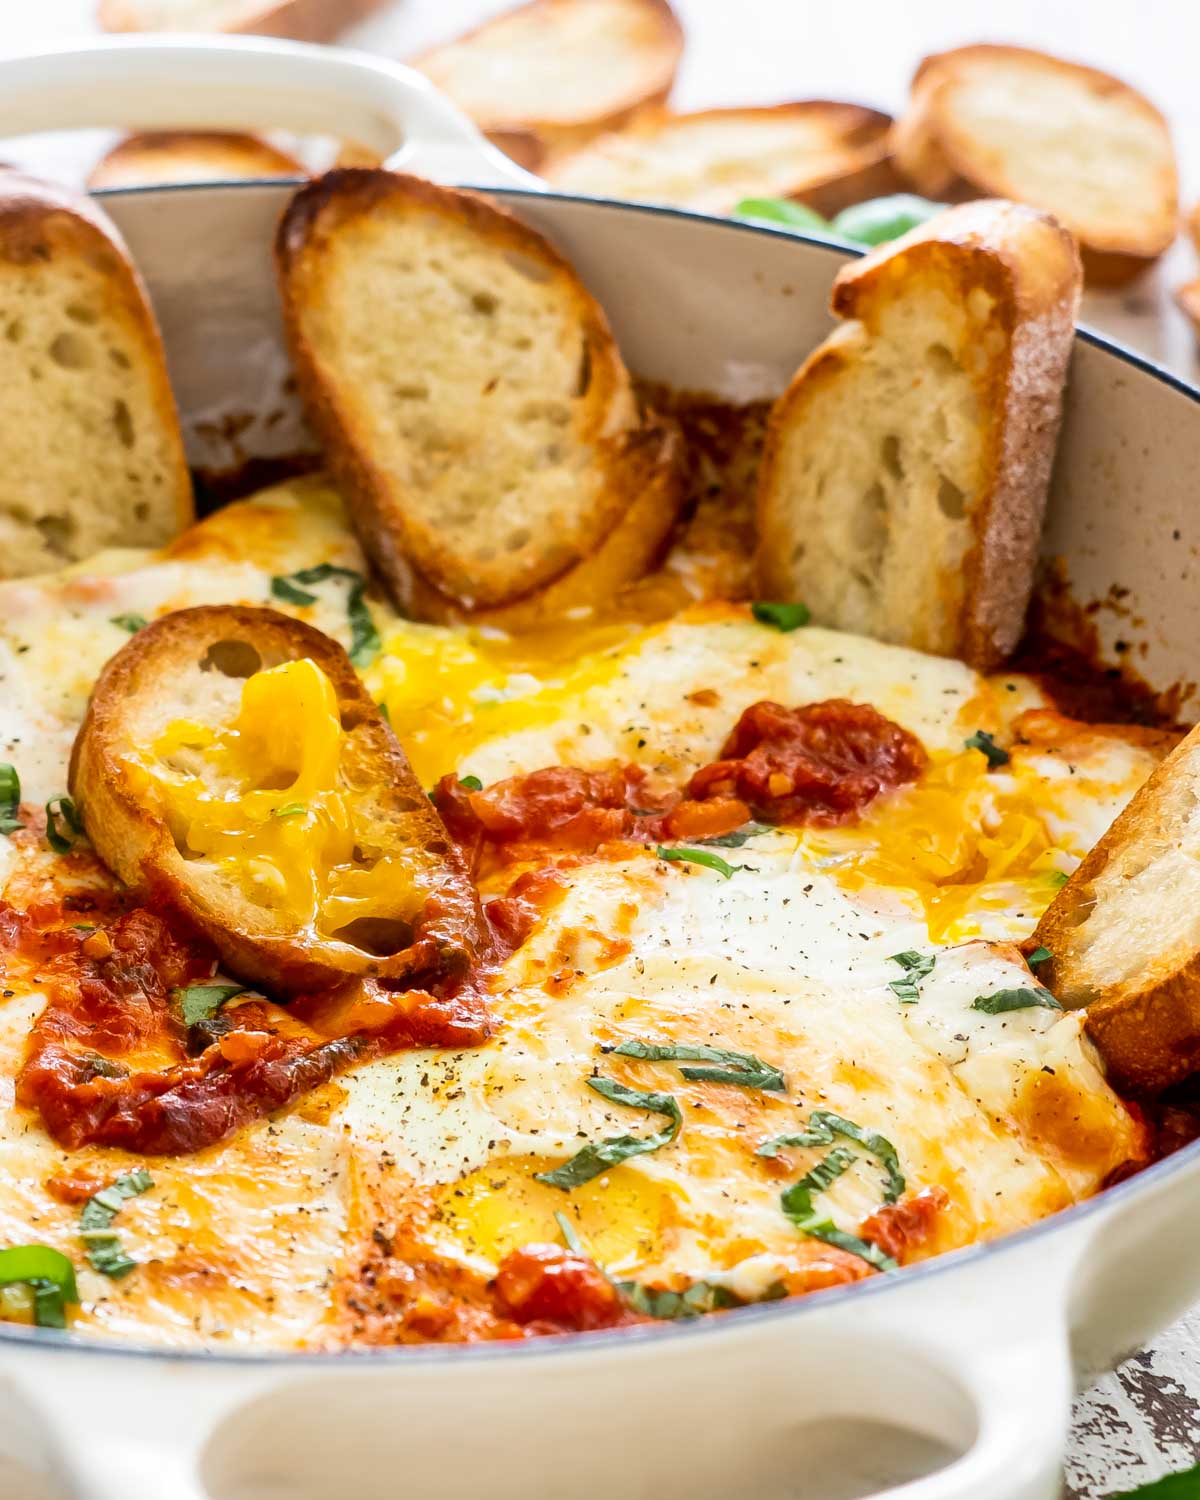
(93, 455)
(1124, 932)
(302, 20)
(154, 156)
(826, 153)
(193, 666)
(466, 387)
(905, 471)
(561, 69)
(1008, 122)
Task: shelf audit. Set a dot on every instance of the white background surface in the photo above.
(1145, 1420)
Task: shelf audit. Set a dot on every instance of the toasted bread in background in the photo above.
(991, 121)
(192, 666)
(302, 20)
(1124, 932)
(905, 472)
(562, 69)
(465, 385)
(93, 455)
(153, 156)
(827, 153)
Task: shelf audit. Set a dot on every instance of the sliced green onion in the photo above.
(742, 1068)
(201, 1002)
(131, 623)
(598, 1156)
(364, 637)
(697, 857)
(986, 745)
(783, 617)
(50, 1276)
(1023, 999)
(60, 837)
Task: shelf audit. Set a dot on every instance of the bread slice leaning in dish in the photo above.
(93, 455)
(1124, 932)
(827, 153)
(232, 768)
(466, 387)
(302, 20)
(153, 156)
(562, 70)
(995, 121)
(906, 466)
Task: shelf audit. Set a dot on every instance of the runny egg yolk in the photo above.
(266, 800)
(964, 840)
(621, 1217)
(447, 692)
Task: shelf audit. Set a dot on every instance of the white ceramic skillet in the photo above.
(952, 1379)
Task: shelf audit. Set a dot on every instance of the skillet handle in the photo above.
(252, 83)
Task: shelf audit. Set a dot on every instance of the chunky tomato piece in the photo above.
(546, 1284)
(900, 1228)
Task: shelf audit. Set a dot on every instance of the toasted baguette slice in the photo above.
(467, 389)
(905, 471)
(191, 156)
(1187, 298)
(302, 20)
(93, 455)
(322, 797)
(563, 69)
(1007, 122)
(827, 153)
(627, 554)
(1124, 932)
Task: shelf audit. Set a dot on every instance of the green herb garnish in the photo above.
(10, 799)
(738, 837)
(572, 1241)
(48, 1274)
(384, 713)
(95, 1223)
(472, 783)
(289, 810)
(1185, 1485)
(698, 857)
(700, 1298)
(881, 219)
(983, 742)
(60, 837)
(364, 638)
(782, 211)
(1025, 999)
(823, 1125)
(598, 1156)
(916, 966)
(797, 1203)
(1039, 956)
(201, 1002)
(132, 623)
(742, 1068)
(784, 617)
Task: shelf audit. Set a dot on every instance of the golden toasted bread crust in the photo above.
(152, 156)
(301, 20)
(661, 50)
(127, 825)
(630, 551)
(397, 540)
(1026, 267)
(940, 161)
(1147, 1027)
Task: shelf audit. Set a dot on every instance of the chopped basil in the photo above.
(95, 1223)
(472, 783)
(201, 1002)
(598, 1156)
(364, 638)
(738, 837)
(1039, 956)
(782, 211)
(1057, 879)
(1025, 999)
(697, 857)
(784, 617)
(797, 1203)
(881, 219)
(61, 837)
(132, 623)
(49, 1275)
(823, 1125)
(733, 1067)
(916, 966)
(700, 1298)
(572, 1241)
(983, 742)
(10, 798)
(384, 713)
(290, 810)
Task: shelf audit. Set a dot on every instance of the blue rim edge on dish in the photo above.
(692, 1328)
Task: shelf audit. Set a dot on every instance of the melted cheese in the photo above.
(790, 959)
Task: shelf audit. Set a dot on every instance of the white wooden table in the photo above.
(1144, 1420)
